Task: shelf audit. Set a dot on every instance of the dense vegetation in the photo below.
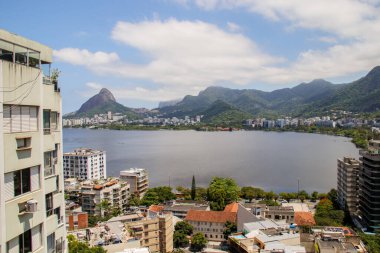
(76, 246)
(306, 99)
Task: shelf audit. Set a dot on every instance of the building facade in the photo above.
(31, 179)
(137, 179)
(84, 164)
(210, 223)
(369, 185)
(155, 233)
(114, 192)
(348, 184)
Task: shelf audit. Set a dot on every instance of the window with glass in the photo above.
(25, 242)
(20, 118)
(34, 58)
(49, 204)
(59, 245)
(21, 55)
(54, 116)
(6, 51)
(46, 121)
(21, 179)
(51, 243)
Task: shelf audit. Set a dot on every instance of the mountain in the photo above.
(168, 103)
(101, 103)
(313, 98)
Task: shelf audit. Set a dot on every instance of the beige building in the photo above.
(84, 164)
(93, 193)
(155, 233)
(348, 183)
(210, 223)
(31, 179)
(137, 179)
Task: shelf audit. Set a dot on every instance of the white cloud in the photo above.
(182, 53)
(232, 27)
(186, 54)
(84, 57)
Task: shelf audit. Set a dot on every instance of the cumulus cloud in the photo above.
(187, 56)
(182, 53)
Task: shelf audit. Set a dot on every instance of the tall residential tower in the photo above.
(31, 180)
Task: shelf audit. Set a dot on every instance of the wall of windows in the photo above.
(21, 181)
(17, 118)
(18, 54)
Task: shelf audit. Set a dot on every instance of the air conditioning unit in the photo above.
(31, 206)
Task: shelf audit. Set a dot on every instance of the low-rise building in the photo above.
(154, 232)
(210, 223)
(93, 193)
(85, 164)
(137, 179)
(77, 220)
(180, 208)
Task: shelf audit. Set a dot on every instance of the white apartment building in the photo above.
(85, 164)
(116, 194)
(138, 180)
(31, 180)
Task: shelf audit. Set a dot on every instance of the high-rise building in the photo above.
(31, 179)
(348, 184)
(85, 164)
(369, 185)
(138, 180)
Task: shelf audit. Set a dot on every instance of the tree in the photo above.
(186, 192)
(157, 195)
(180, 239)
(314, 196)
(332, 195)
(198, 242)
(76, 246)
(326, 215)
(303, 195)
(201, 193)
(193, 189)
(270, 195)
(105, 207)
(184, 227)
(134, 200)
(229, 228)
(221, 192)
(248, 192)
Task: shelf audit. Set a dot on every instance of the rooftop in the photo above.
(211, 216)
(304, 218)
(84, 152)
(233, 207)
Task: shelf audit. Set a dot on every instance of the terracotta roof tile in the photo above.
(156, 208)
(304, 218)
(233, 207)
(210, 216)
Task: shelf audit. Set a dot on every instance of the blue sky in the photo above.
(156, 50)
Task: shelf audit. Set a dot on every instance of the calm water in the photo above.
(269, 160)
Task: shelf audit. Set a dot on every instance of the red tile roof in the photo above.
(156, 208)
(210, 216)
(233, 207)
(304, 218)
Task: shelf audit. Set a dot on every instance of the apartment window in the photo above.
(25, 242)
(54, 117)
(49, 164)
(51, 243)
(46, 121)
(57, 212)
(59, 243)
(21, 55)
(6, 51)
(34, 59)
(23, 143)
(49, 204)
(21, 179)
(20, 118)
